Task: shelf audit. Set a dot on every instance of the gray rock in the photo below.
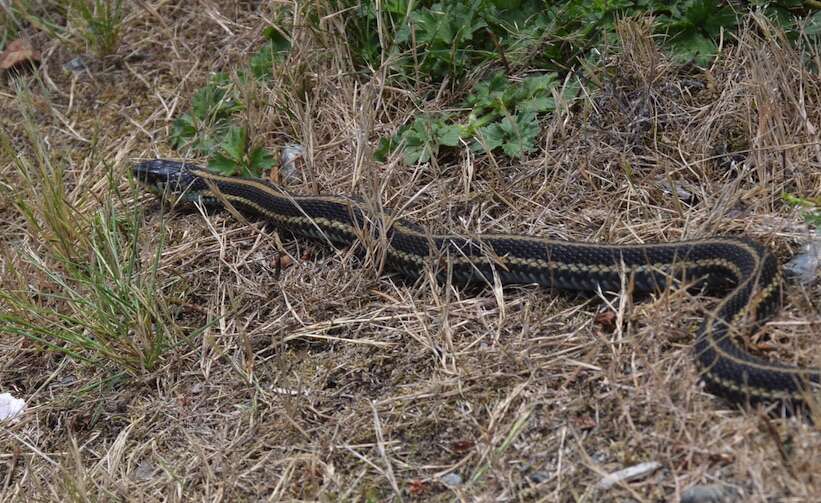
(710, 493)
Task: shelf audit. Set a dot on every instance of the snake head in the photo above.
(172, 180)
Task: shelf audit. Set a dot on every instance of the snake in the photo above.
(744, 274)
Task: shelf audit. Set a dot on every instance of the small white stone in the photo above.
(451, 480)
(632, 473)
(288, 167)
(10, 407)
(804, 266)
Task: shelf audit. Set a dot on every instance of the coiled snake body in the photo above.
(746, 273)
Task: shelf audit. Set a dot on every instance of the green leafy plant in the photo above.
(428, 43)
(789, 14)
(515, 134)
(434, 40)
(422, 139)
(236, 155)
(211, 108)
(210, 128)
(503, 115)
(496, 97)
(693, 28)
(446, 38)
(813, 27)
(811, 207)
(272, 52)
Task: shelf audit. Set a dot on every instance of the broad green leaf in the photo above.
(182, 131)
(492, 136)
(223, 165)
(813, 27)
(487, 93)
(416, 154)
(521, 133)
(538, 104)
(539, 84)
(448, 135)
(234, 143)
(259, 161)
(385, 149)
(695, 47)
(205, 143)
(279, 42)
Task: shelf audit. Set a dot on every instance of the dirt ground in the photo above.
(328, 380)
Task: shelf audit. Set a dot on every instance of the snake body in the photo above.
(745, 273)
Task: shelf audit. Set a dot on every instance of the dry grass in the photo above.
(328, 381)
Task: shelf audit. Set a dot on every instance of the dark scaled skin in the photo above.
(743, 271)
